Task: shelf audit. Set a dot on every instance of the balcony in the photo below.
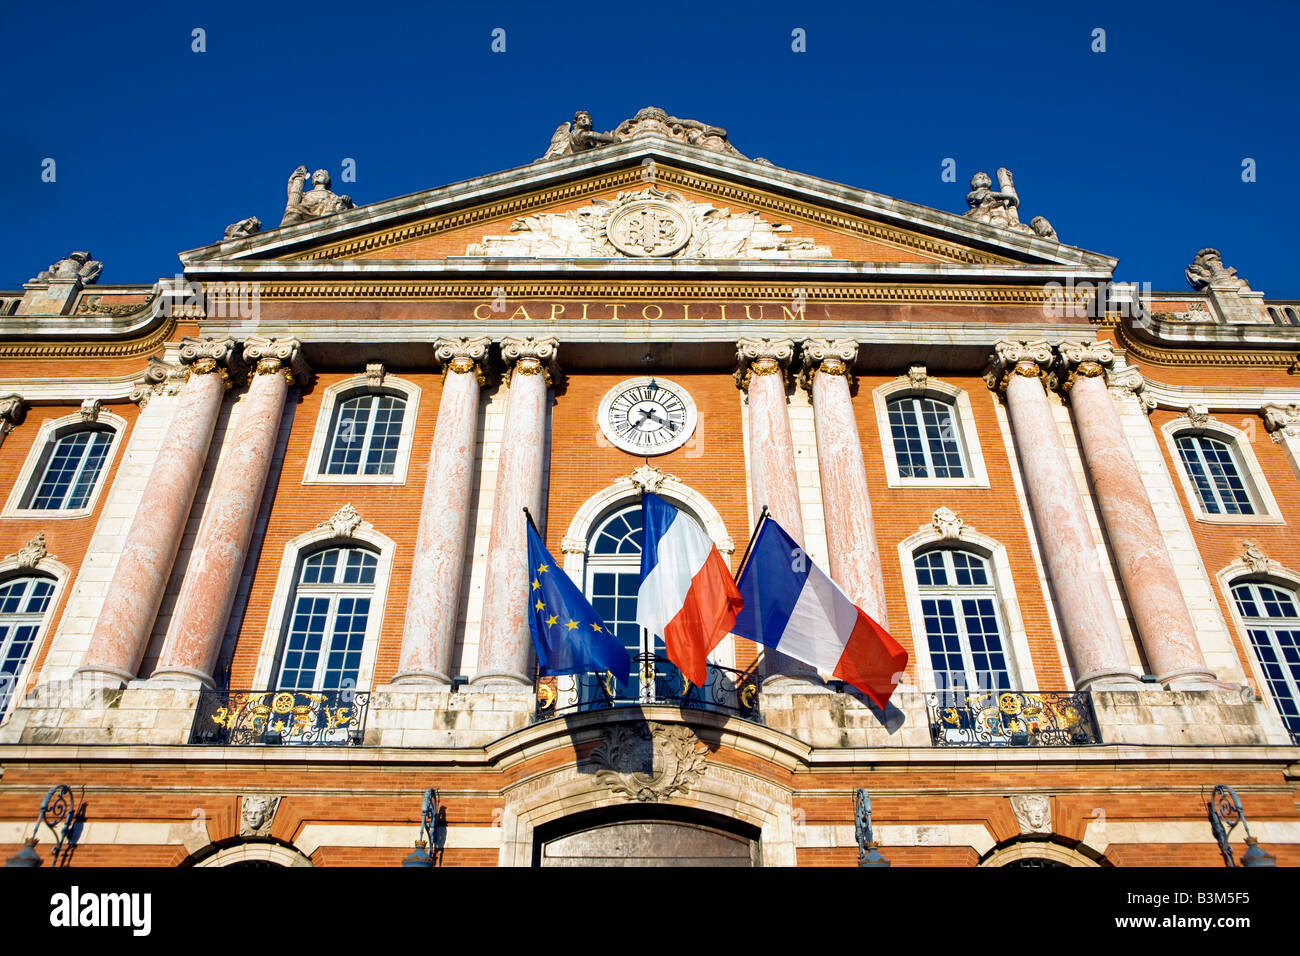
(655, 680)
(332, 718)
(1012, 719)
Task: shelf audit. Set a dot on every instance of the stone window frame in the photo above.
(620, 495)
(1252, 475)
(1240, 572)
(255, 850)
(1038, 848)
(286, 581)
(45, 567)
(1020, 664)
(50, 432)
(967, 434)
(354, 387)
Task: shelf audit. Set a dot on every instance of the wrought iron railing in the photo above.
(1013, 719)
(280, 717)
(654, 680)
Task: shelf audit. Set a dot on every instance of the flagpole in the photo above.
(762, 516)
(529, 515)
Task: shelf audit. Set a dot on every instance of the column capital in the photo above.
(827, 357)
(463, 356)
(1127, 382)
(158, 378)
(531, 356)
(761, 356)
(1282, 421)
(1011, 357)
(208, 355)
(13, 410)
(1083, 360)
(277, 357)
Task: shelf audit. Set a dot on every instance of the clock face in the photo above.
(647, 416)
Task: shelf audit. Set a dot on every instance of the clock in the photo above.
(647, 416)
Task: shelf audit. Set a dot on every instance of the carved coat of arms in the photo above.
(649, 762)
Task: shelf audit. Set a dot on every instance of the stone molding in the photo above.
(90, 409)
(947, 523)
(13, 411)
(1282, 421)
(464, 355)
(343, 522)
(762, 356)
(375, 373)
(32, 553)
(1256, 559)
(273, 356)
(532, 356)
(1030, 359)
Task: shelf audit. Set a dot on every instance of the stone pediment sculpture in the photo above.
(1001, 207)
(649, 761)
(312, 204)
(578, 136)
(244, 228)
(1207, 271)
(648, 223)
(76, 266)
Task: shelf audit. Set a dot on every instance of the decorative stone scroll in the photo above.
(158, 378)
(947, 523)
(648, 223)
(579, 136)
(343, 522)
(464, 355)
(1009, 357)
(1033, 812)
(759, 356)
(649, 762)
(90, 408)
(917, 375)
(646, 478)
(1282, 421)
(1084, 359)
(531, 356)
(1198, 415)
(1255, 558)
(827, 357)
(1126, 381)
(375, 373)
(30, 554)
(277, 357)
(13, 412)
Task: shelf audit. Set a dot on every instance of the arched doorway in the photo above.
(651, 836)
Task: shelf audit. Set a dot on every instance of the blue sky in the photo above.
(1135, 152)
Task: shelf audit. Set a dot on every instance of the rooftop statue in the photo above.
(76, 265)
(1207, 270)
(651, 121)
(1001, 208)
(304, 206)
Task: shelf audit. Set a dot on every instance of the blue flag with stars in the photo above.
(569, 636)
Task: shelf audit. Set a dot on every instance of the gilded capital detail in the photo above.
(758, 356)
(1010, 357)
(208, 355)
(277, 357)
(531, 356)
(827, 357)
(463, 356)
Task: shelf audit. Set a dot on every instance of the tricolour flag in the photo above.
(686, 594)
(568, 634)
(791, 605)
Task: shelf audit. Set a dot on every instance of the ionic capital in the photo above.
(1127, 382)
(209, 355)
(531, 356)
(1283, 421)
(463, 356)
(758, 356)
(277, 357)
(1010, 357)
(12, 412)
(1083, 360)
(827, 357)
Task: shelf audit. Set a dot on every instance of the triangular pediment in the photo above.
(649, 201)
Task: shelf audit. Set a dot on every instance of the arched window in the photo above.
(959, 607)
(327, 623)
(1215, 474)
(70, 465)
(927, 441)
(23, 602)
(612, 575)
(1271, 615)
(364, 435)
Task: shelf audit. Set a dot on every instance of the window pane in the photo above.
(924, 432)
(322, 649)
(72, 470)
(366, 432)
(1214, 474)
(22, 604)
(1272, 615)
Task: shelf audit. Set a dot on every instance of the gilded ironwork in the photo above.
(1012, 718)
(280, 717)
(653, 680)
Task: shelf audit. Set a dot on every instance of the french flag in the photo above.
(793, 606)
(686, 595)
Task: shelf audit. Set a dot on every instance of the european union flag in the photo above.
(569, 636)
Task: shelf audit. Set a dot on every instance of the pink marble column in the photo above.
(505, 650)
(850, 530)
(123, 627)
(761, 374)
(1163, 622)
(13, 410)
(434, 598)
(212, 577)
(1087, 617)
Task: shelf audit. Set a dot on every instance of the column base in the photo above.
(1110, 680)
(181, 677)
(103, 677)
(795, 684)
(416, 681)
(1192, 679)
(500, 681)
